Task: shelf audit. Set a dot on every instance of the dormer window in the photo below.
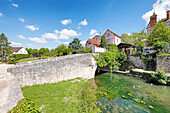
(89, 43)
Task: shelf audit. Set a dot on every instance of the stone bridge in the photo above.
(42, 71)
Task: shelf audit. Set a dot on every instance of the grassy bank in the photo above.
(61, 97)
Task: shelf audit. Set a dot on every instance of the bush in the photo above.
(125, 66)
(67, 51)
(159, 46)
(87, 50)
(77, 51)
(25, 106)
(11, 61)
(20, 56)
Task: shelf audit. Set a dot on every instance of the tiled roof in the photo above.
(95, 42)
(16, 49)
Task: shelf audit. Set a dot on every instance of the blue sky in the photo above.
(49, 23)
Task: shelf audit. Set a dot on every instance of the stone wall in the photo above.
(163, 63)
(10, 91)
(137, 62)
(53, 70)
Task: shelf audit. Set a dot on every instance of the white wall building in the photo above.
(19, 50)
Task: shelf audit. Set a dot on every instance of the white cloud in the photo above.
(95, 35)
(160, 8)
(1, 14)
(65, 22)
(38, 40)
(15, 5)
(66, 43)
(15, 43)
(56, 31)
(21, 19)
(50, 36)
(83, 42)
(78, 27)
(66, 34)
(84, 22)
(93, 31)
(32, 27)
(21, 36)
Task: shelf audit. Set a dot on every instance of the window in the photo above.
(89, 43)
(108, 34)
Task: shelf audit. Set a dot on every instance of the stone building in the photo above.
(153, 20)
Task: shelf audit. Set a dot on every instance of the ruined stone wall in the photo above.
(52, 70)
(163, 63)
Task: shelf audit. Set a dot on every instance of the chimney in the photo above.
(168, 14)
(100, 34)
(153, 19)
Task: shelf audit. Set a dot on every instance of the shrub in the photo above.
(11, 61)
(20, 56)
(88, 50)
(159, 46)
(67, 51)
(77, 51)
(125, 66)
(25, 106)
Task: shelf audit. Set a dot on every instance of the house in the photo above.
(91, 43)
(153, 20)
(19, 50)
(112, 37)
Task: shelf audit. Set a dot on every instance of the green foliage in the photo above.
(29, 50)
(11, 61)
(4, 47)
(25, 106)
(53, 52)
(35, 51)
(112, 48)
(125, 66)
(126, 38)
(160, 47)
(75, 44)
(43, 51)
(160, 33)
(67, 51)
(60, 49)
(87, 50)
(77, 51)
(103, 42)
(158, 78)
(20, 56)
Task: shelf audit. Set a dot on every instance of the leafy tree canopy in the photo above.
(160, 33)
(75, 44)
(126, 38)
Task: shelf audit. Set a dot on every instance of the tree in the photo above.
(126, 38)
(53, 52)
(139, 39)
(4, 46)
(103, 42)
(60, 49)
(29, 50)
(75, 44)
(42, 51)
(67, 51)
(35, 51)
(159, 46)
(160, 33)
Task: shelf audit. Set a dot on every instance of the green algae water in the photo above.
(113, 93)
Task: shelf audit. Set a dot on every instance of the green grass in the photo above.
(28, 59)
(164, 54)
(61, 97)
